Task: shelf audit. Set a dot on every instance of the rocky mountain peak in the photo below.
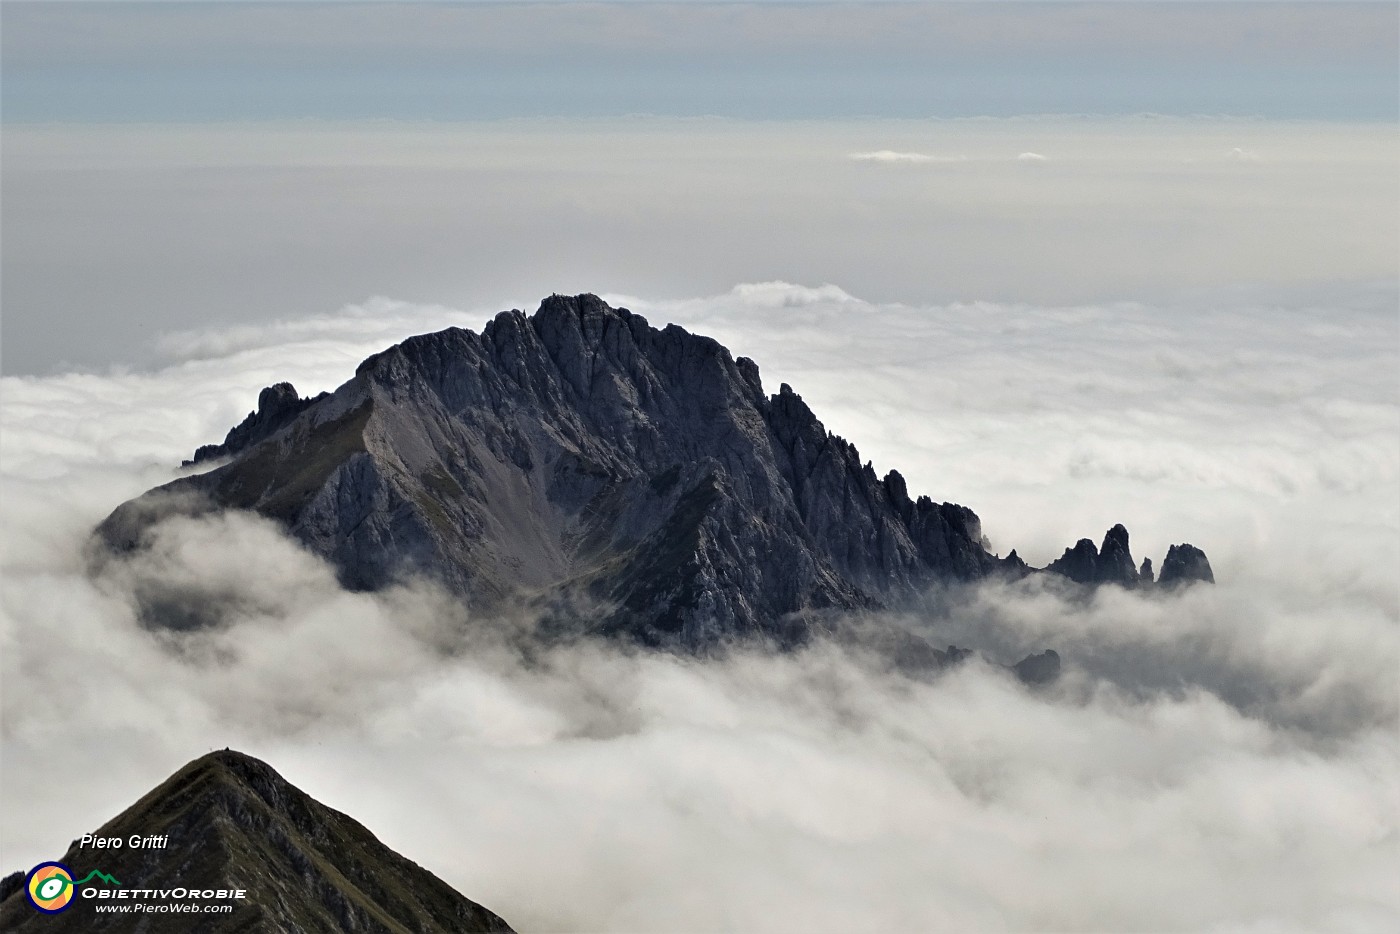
(1039, 669)
(587, 458)
(1115, 561)
(1186, 564)
(227, 821)
(1079, 563)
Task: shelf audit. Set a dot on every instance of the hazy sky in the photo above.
(169, 166)
(116, 234)
(219, 61)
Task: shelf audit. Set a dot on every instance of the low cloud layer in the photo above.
(1223, 757)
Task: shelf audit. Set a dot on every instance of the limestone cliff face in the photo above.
(582, 456)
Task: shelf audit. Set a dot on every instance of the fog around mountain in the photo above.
(1224, 756)
(1066, 264)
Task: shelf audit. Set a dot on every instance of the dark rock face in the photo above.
(1145, 572)
(1115, 564)
(1080, 563)
(277, 406)
(582, 454)
(11, 884)
(1185, 564)
(1038, 669)
(1111, 564)
(232, 822)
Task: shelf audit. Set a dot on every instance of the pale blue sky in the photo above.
(345, 61)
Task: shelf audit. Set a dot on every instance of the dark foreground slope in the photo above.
(637, 478)
(232, 822)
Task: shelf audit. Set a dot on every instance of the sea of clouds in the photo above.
(1221, 758)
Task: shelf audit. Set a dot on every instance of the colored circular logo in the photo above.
(50, 887)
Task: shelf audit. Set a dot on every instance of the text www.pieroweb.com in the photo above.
(167, 908)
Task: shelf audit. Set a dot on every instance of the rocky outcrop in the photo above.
(1038, 669)
(1113, 563)
(1080, 563)
(277, 406)
(627, 479)
(1185, 564)
(227, 821)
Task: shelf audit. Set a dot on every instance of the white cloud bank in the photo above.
(1222, 759)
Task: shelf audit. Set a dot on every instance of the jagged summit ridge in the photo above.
(1112, 563)
(580, 456)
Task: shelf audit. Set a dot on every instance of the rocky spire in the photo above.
(1115, 561)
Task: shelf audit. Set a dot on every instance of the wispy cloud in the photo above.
(891, 156)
